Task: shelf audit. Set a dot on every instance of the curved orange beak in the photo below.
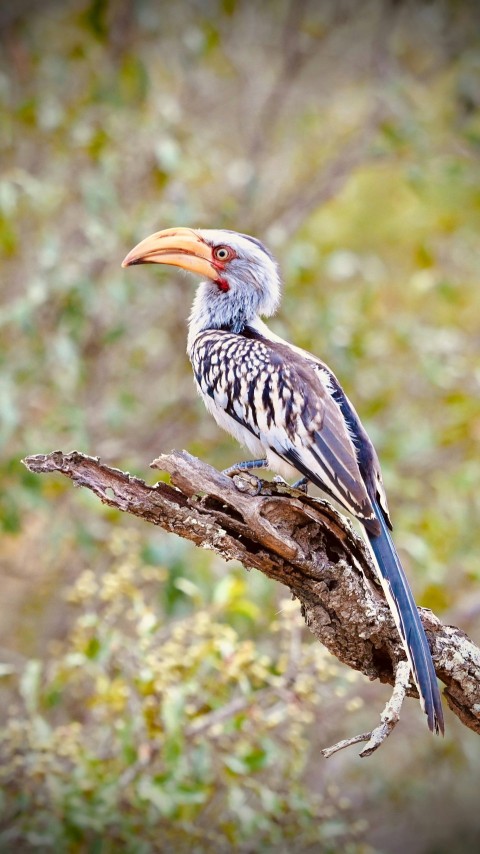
(181, 247)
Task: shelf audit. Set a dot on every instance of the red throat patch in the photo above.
(222, 285)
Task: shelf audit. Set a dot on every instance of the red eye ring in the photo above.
(223, 253)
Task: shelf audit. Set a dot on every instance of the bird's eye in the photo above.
(222, 253)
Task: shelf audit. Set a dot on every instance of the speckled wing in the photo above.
(281, 401)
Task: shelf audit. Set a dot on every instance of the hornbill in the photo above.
(285, 405)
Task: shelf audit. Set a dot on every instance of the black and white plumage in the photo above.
(286, 406)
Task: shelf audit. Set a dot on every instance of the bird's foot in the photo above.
(301, 484)
(248, 465)
(244, 482)
(249, 484)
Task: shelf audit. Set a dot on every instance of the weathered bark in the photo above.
(295, 539)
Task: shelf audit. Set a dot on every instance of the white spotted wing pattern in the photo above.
(279, 406)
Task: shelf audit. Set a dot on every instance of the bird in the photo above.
(286, 406)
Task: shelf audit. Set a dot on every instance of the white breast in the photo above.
(240, 433)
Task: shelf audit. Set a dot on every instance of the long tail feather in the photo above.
(407, 619)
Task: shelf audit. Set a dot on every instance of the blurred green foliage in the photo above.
(348, 142)
(143, 734)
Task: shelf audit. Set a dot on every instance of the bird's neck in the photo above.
(215, 309)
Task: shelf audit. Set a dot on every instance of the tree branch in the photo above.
(303, 543)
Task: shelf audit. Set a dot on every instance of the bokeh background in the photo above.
(154, 699)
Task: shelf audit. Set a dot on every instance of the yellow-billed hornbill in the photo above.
(285, 405)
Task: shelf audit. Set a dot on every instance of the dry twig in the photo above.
(388, 719)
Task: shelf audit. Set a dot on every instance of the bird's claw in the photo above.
(247, 483)
(301, 484)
